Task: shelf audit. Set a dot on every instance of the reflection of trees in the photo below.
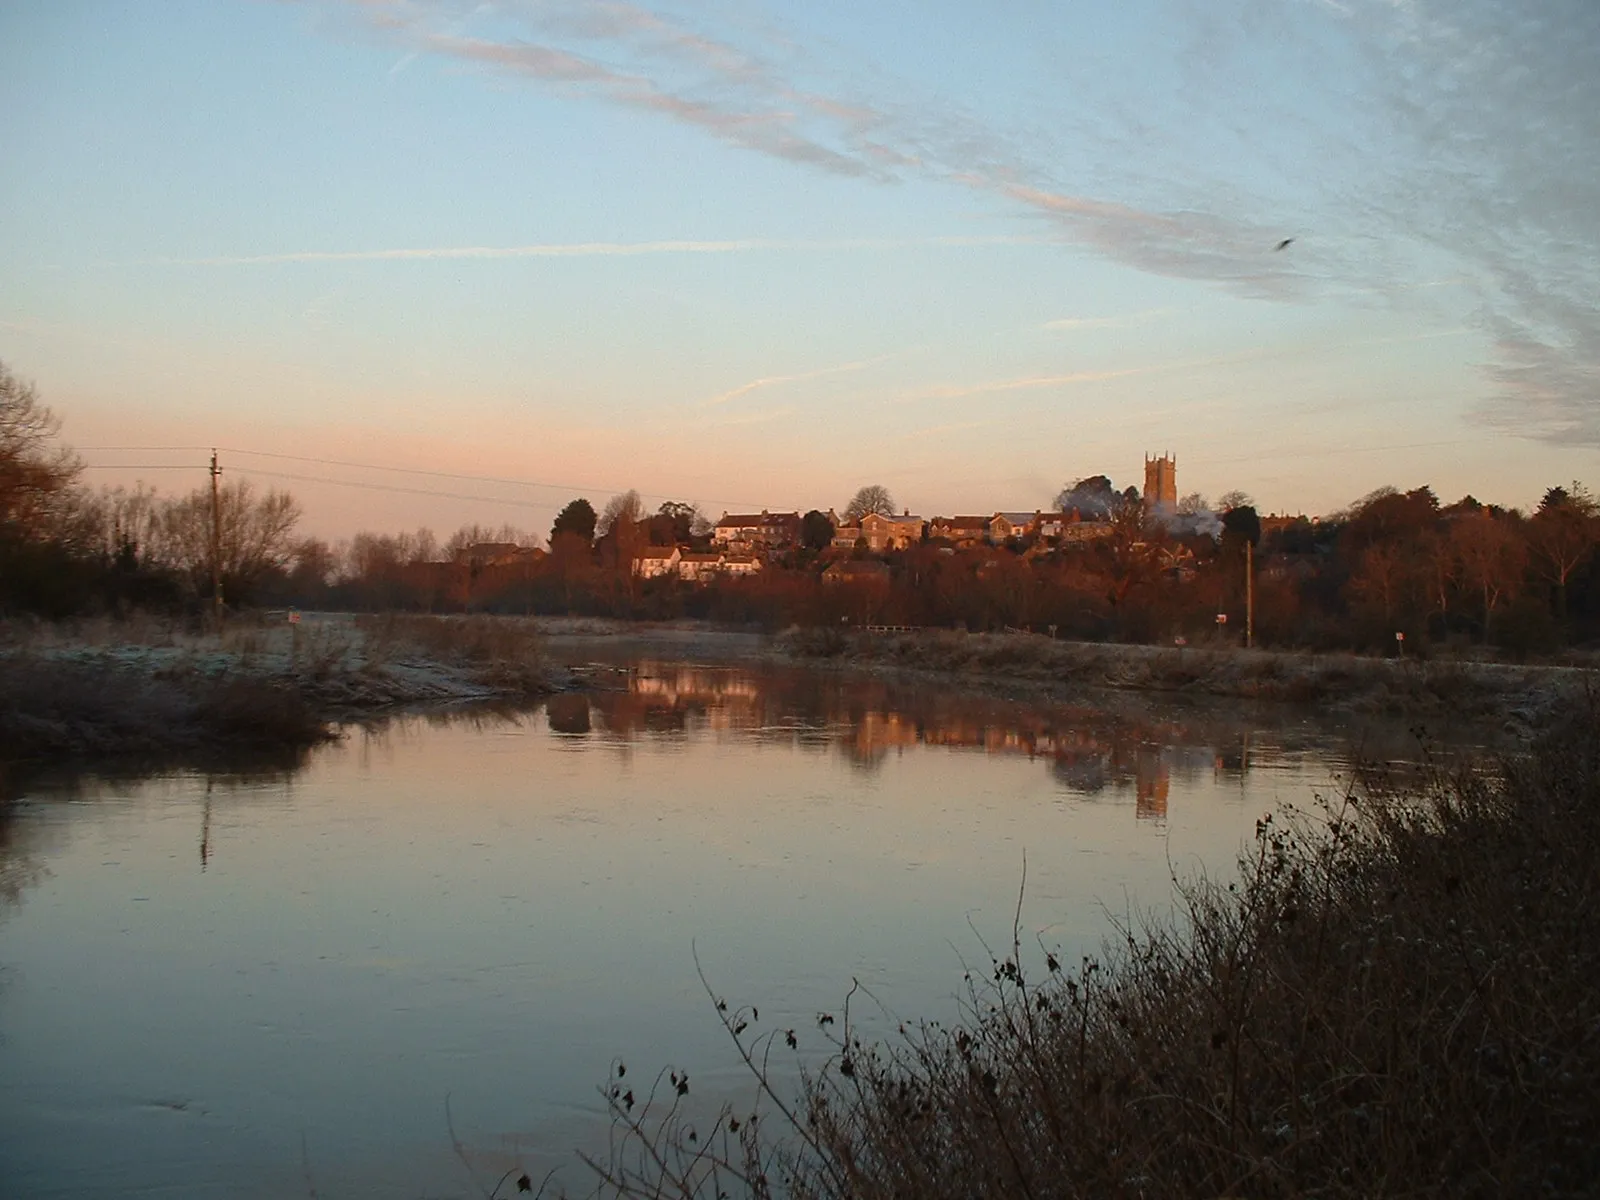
(1233, 757)
(1089, 750)
(568, 713)
(1085, 773)
(20, 869)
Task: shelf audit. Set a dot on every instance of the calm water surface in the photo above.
(236, 986)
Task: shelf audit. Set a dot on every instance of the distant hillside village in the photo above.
(1396, 571)
(740, 544)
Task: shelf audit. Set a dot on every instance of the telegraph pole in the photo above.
(1249, 595)
(216, 542)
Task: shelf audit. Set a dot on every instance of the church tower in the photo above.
(1161, 482)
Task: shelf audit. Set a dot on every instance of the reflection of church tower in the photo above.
(1161, 482)
(1152, 780)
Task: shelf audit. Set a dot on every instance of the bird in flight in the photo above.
(1283, 245)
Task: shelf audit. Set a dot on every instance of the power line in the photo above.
(365, 486)
(143, 467)
(363, 466)
(389, 487)
(368, 466)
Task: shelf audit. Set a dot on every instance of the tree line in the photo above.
(1394, 563)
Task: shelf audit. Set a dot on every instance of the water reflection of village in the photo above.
(1090, 751)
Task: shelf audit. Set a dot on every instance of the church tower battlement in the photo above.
(1161, 482)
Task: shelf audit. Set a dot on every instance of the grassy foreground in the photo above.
(1397, 998)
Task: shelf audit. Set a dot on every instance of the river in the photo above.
(273, 984)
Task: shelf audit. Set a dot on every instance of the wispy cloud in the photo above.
(538, 250)
(1185, 245)
(1492, 105)
(767, 381)
(1125, 321)
(947, 427)
(580, 250)
(1496, 104)
(960, 391)
(739, 95)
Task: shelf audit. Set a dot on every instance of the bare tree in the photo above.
(874, 498)
(1380, 577)
(123, 522)
(478, 535)
(1562, 533)
(623, 526)
(424, 546)
(1438, 563)
(624, 507)
(1492, 554)
(256, 533)
(36, 475)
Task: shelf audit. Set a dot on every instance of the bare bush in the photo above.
(1394, 998)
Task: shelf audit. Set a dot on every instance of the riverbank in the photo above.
(1395, 998)
(1511, 698)
(151, 691)
(145, 689)
(1520, 697)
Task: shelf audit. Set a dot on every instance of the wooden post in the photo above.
(216, 543)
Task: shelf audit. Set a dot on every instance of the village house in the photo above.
(1051, 525)
(762, 532)
(891, 533)
(1076, 530)
(695, 567)
(656, 561)
(1006, 525)
(960, 531)
(1279, 522)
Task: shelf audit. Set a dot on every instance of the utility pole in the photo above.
(216, 542)
(1249, 595)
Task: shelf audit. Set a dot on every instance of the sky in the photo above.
(431, 263)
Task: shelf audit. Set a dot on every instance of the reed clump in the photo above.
(1396, 996)
(506, 653)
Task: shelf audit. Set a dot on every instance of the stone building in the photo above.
(1161, 482)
